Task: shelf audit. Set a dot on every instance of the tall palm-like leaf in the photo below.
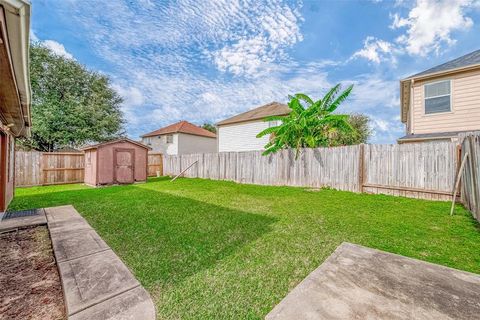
(310, 124)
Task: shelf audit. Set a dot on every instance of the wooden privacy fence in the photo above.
(155, 164)
(424, 170)
(34, 168)
(470, 175)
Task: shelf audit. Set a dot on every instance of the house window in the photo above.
(272, 124)
(169, 138)
(437, 97)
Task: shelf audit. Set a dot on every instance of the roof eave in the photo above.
(173, 132)
(98, 145)
(17, 15)
(442, 73)
(413, 139)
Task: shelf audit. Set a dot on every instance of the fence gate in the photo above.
(155, 163)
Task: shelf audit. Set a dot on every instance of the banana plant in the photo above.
(310, 124)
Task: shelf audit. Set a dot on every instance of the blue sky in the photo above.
(203, 61)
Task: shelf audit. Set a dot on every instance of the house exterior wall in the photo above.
(159, 144)
(90, 176)
(189, 143)
(465, 106)
(183, 143)
(242, 136)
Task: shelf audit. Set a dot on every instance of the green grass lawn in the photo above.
(212, 249)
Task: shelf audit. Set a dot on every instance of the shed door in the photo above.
(124, 165)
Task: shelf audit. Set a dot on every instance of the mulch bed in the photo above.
(29, 282)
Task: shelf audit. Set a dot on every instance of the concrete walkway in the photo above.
(356, 282)
(96, 283)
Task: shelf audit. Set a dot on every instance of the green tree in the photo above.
(210, 127)
(360, 134)
(310, 124)
(71, 105)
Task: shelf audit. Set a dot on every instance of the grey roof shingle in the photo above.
(470, 59)
(270, 109)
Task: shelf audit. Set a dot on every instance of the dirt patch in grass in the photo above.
(29, 282)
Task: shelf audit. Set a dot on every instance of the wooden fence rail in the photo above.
(34, 168)
(424, 170)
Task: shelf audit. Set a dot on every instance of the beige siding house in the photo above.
(181, 138)
(239, 133)
(442, 102)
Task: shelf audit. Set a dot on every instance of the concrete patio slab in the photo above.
(134, 302)
(76, 244)
(356, 282)
(21, 219)
(96, 283)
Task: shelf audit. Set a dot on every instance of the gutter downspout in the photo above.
(410, 109)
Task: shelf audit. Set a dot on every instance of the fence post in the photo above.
(474, 173)
(43, 166)
(361, 167)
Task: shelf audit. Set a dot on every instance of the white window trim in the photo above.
(273, 123)
(425, 114)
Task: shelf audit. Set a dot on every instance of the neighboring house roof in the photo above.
(95, 146)
(15, 77)
(468, 60)
(270, 109)
(181, 127)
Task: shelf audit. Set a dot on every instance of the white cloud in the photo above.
(57, 48)
(427, 28)
(132, 97)
(274, 31)
(376, 50)
(33, 36)
(373, 91)
(430, 24)
(133, 100)
(381, 124)
(245, 56)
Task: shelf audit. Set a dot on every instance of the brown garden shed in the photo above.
(120, 161)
